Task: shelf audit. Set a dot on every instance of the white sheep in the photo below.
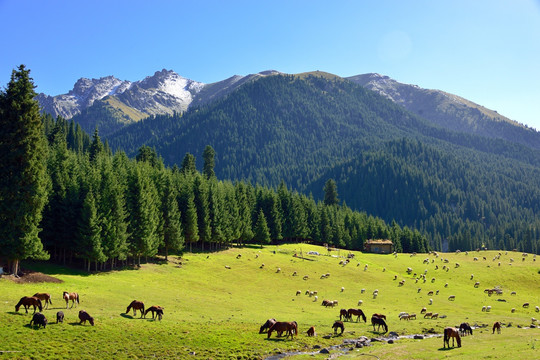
(363, 291)
(360, 302)
(298, 292)
(483, 308)
(342, 289)
(488, 308)
(452, 297)
(430, 301)
(278, 270)
(537, 308)
(315, 298)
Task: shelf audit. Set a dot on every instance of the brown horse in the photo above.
(28, 301)
(375, 320)
(44, 297)
(311, 331)
(357, 313)
(451, 332)
(380, 316)
(267, 325)
(497, 326)
(136, 305)
(84, 316)
(280, 326)
(338, 325)
(465, 328)
(343, 313)
(155, 309)
(70, 296)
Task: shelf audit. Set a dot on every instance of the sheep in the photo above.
(342, 289)
(483, 308)
(437, 292)
(305, 277)
(295, 274)
(513, 293)
(311, 293)
(323, 276)
(428, 314)
(376, 292)
(384, 269)
(238, 256)
(513, 310)
(430, 301)
(537, 309)
(499, 263)
(432, 280)
(418, 290)
(488, 308)
(360, 302)
(423, 311)
(315, 292)
(402, 282)
(315, 298)
(476, 284)
(452, 297)
(526, 305)
(395, 277)
(365, 267)
(404, 316)
(262, 266)
(533, 320)
(475, 259)
(409, 270)
(298, 292)
(472, 276)
(446, 285)
(430, 293)
(227, 267)
(362, 291)
(278, 270)
(435, 316)
(425, 272)
(412, 316)
(511, 260)
(457, 265)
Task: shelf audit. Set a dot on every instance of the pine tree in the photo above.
(89, 233)
(330, 193)
(209, 162)
(23, 183)
(173, 238)
(96, 148)
(188, 164)
(262, 234)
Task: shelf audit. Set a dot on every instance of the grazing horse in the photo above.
(267, 325)
(343, 313)
(39, 320)
(59, 317)
(338, 324)
(497, 326)
(379, 321)
(136, 305)
(44, 297)
(380, 316)
(155, 309)
(451, 332)
(357, 313)
(28, 301)
(70, 296)
(311, 331)
(465, 328)
(84, 316)
(280, 326)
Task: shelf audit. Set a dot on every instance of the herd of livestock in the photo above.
(39, 319)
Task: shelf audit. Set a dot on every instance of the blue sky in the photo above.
(487, 51)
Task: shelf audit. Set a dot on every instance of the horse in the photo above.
(357, 313)
(267, 325)
(280, 326)
(343, 313)
(379, 321)
(39, 320)
(497, 326)
(59, 317)
(338, 324)
(44, 297)
(311, 331)
(136, 305)
(84, 316)
(465, 328)
(28, 301)
(70, 296)
(451, 332)
(155, 309)
(380, 316)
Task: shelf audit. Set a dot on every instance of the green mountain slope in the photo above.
(306, 129)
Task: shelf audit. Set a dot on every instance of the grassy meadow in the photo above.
(214, 312)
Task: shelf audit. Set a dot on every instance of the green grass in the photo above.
(214, 312)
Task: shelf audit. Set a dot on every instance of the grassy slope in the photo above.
(216, 312)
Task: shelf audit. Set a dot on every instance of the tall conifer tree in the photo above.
(23, 183)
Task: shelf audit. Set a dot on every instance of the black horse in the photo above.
(39, 320)
(380, 322)
(465, 328)
(338, 325)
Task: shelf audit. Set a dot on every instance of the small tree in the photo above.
(262, 234)
(330, 193)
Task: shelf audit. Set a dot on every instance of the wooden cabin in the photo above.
(379, 246)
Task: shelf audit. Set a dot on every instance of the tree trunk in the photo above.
(15, 267)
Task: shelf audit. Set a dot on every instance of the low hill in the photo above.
(215, 303)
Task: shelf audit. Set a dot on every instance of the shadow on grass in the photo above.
(127, 316)
(446, 349)
(277, 339)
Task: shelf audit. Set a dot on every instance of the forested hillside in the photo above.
(461, 190)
